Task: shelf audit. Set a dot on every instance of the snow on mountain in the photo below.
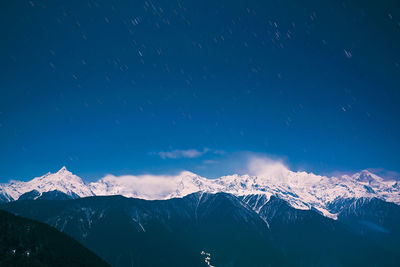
(367, 177)
(63, 181)
(301, 190)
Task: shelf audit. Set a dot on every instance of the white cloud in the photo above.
(174, 154)
(266, 167)
(189, 153)
(147, 186)
(210, 161)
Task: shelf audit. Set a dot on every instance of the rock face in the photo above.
(237, 231)
(300, 189)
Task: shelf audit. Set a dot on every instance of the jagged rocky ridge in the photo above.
(300, 189)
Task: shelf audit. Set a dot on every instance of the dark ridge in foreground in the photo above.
(24, 242)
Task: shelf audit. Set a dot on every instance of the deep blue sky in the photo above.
(105, 86)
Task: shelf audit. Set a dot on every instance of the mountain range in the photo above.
(301, 190)
(282, 218)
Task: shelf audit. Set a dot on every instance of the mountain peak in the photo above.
(367, 177)
(366, 172)
(63, 181)
(63, 169)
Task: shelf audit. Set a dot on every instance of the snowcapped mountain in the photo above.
(63, 181)
(301, 190)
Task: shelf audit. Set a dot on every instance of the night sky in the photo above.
(130, 87)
